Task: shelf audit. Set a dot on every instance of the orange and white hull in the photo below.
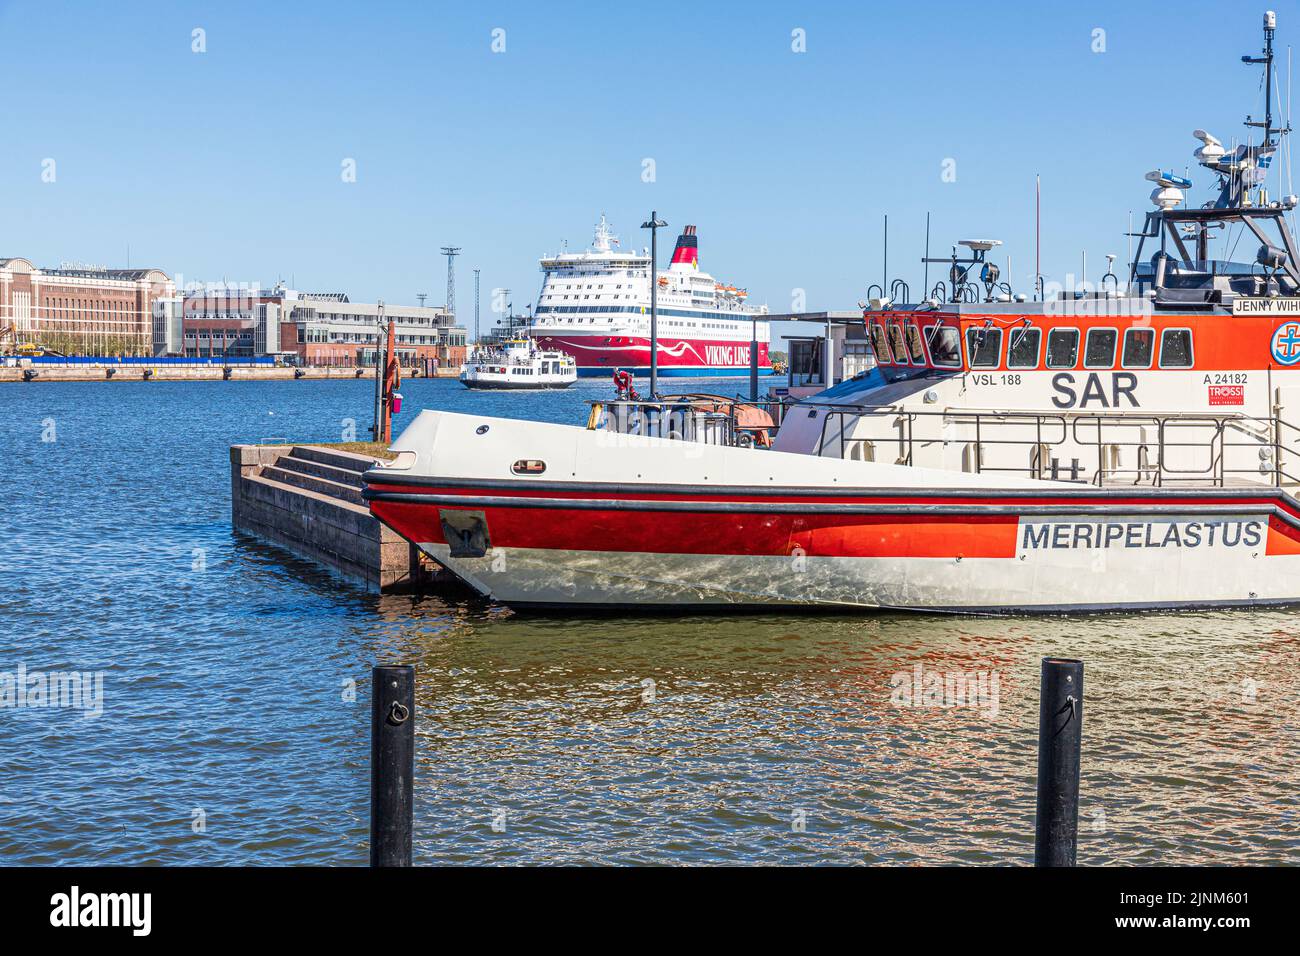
(672, 525)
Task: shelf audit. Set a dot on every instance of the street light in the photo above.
(377, 431)
(654, 225)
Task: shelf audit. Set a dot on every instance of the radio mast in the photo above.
(451, 252)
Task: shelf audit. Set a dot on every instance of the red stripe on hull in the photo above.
(844, 536)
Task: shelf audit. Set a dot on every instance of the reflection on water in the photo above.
(231, 732)
(708, 739)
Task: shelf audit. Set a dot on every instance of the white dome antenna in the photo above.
(1211, 150)
(1166, 197)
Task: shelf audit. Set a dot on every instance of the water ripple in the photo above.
(230, 733)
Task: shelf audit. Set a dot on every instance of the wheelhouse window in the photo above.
(1099, 352)
(1139, 348)
(945, 345)
(914, 347)
(984, 346)
(1062, 348)
(1176, 348)
(883, 355)
(897, 344)
(1022, 347)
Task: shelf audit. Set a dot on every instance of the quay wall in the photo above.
(173, 373)
(277, 494)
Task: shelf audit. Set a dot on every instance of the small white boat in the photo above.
(519, 363)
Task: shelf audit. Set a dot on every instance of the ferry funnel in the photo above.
(687, 251)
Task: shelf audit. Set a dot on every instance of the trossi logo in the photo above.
(74, 909)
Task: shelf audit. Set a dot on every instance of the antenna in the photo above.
(1130, 241)
(884, 279)
(925, 282)
(422, 296)
(1038, 234)
(451, 252)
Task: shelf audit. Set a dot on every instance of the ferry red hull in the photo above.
(604, 354)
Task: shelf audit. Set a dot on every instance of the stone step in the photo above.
(322, 486)
(338, 459)
(305, 466)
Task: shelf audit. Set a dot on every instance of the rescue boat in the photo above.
(1131, 446)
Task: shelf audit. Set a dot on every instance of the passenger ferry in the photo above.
(595, 305)
(1132, 447)
(518, 363)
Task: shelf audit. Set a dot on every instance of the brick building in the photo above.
(81, 310)
(313, 328)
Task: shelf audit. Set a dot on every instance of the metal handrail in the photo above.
(668, 405)
(1098, 430)
(1266, 432)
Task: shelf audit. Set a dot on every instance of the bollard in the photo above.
(1060, 725)
(392, 763)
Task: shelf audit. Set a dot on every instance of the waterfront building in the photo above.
(308, 328)
(224, 322)
(78, 309)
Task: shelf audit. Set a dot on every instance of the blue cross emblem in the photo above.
(1286, 343)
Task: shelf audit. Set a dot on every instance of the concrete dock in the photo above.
(306, 499)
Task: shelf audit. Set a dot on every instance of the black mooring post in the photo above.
(392, 763)
(1060, 725)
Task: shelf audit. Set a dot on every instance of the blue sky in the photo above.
(227, 164)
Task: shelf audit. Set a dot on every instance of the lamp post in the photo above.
(377, 431)
(654, 226)
(753, 358)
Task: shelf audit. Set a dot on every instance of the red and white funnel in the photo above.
(687, 252)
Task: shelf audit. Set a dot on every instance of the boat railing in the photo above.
(1102, 449)
(711, 420)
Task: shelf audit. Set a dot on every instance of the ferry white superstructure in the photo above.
(595, 305)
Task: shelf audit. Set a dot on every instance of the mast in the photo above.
(1038, 234)
(1270, 26)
